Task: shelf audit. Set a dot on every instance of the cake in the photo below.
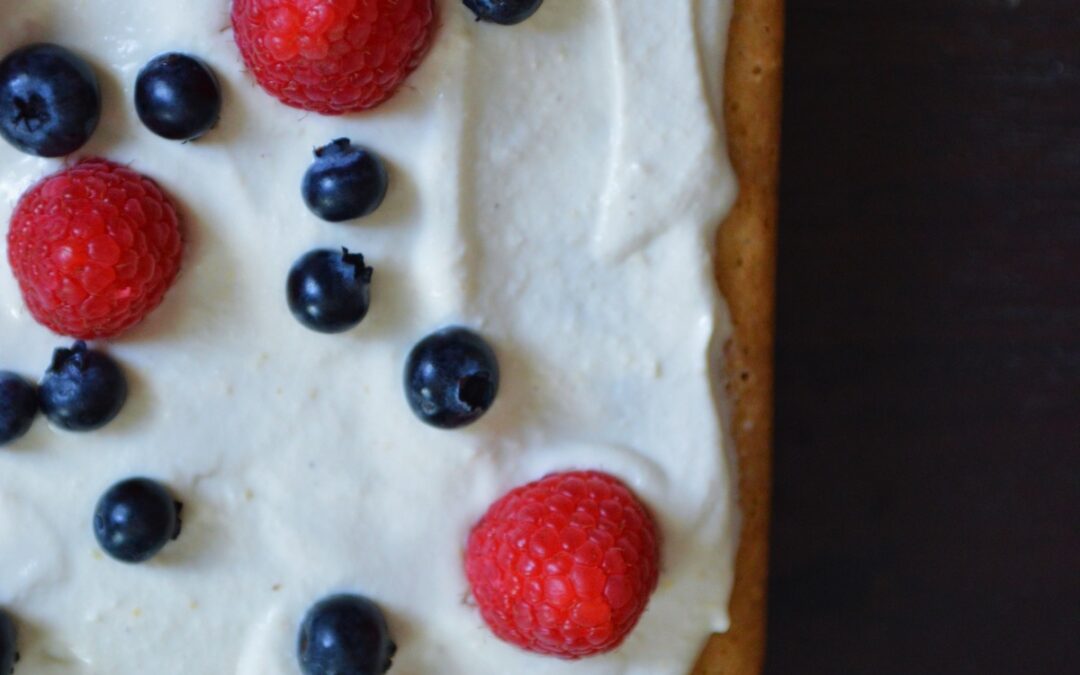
(554, 188)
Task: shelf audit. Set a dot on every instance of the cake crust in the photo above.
(745, 271)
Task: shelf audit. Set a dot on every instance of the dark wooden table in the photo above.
(928, 433)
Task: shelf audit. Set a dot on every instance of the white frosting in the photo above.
(555, 185)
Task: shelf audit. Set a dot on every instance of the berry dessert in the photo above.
(564, 565)
(83, 389)
(451, 378)
(344, 182)
(94, 248)
(134, 520)
(329, 291)
(178, 97)
(505, 12)
(334, 56)
(50, 100)
(345, 634)
(494, 442)
(18, 406)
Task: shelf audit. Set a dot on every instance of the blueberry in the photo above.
(344, 182)
(505, 12)
(18, 406)
(177, 97)
(345, 635)
(83, 389)
(329, 291)
(50, 100)
(451, 378)
(135, 518)
(9, 649)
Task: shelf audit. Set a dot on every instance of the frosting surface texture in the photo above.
(555, 186)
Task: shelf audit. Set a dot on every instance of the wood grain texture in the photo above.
(745, 263)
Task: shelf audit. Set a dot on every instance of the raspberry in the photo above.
(94, 249)
(564, 566)
(332, 56)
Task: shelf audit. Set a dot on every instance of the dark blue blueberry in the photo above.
(177, 97)
(18, 406)
(329, 291)
(344, 182)
(345, 635)
(50, 100)
(83, 389)
(505, 12)
(135, 519)
(9, 638)
(451, 378)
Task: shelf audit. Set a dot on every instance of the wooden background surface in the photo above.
(928, 399)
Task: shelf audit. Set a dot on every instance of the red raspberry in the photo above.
(564, 566)
(332, 56)
(94, 248)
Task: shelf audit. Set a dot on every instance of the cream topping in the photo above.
(554, 185)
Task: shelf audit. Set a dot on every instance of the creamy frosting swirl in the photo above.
(555, 186)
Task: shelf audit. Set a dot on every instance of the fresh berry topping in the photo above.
(9, 637)
(177, 97)
(135, 518)
(332, 56)
(564, 566)
(94, 249)
(50, 101)
(329, 291)
(505, 12)
(345, 635)
(18, 406)
(83, 389)
(344, 182)
(451, 378)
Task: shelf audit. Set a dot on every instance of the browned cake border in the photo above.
(745, 264)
